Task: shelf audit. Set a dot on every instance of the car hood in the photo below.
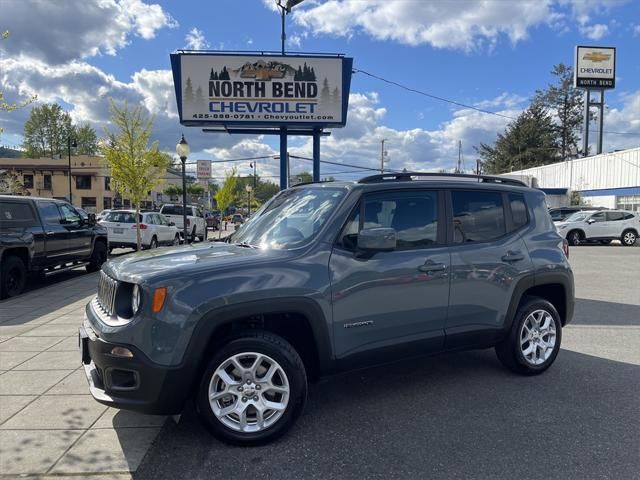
(176, 261)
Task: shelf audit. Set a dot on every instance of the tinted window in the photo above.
(49, 213)
(477, 216)
(615, 216)
(174, 210)
(599, 217)
(10, 211)
(69, 213)
(413, 215)
(628, 216)
(518, 210)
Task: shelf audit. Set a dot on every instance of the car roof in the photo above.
(26, 197)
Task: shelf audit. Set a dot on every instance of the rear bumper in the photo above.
(134, 383)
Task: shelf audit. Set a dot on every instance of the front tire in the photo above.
(534, 340)
(98, 257)
(629, 238)
(176, 240)
(13, 277)
(253, 389)
(575, 238)
(154, 243)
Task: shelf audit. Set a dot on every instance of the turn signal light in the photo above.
(121, 352)
(159, 296)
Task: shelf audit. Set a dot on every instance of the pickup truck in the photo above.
(196, 224)
(45, 236)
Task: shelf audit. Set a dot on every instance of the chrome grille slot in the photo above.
(107, 288)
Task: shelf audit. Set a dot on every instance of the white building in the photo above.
(610, 180)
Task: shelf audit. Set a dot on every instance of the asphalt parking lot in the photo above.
(461, 415)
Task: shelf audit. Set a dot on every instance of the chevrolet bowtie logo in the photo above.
(597, 56)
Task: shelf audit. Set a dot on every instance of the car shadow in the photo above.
(597, 312)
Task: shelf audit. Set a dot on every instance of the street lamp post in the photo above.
(249, 188)
(182, 149)
(70, 143)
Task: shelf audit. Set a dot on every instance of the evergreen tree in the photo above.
(528, 141)
(199, 100)
(188, 92)
(224, 74)
(325, 93)
(335, 96)
(566, 103)
(312, 75)
(212, 75)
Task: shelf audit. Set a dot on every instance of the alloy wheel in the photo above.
(538, 337)
(629, 238)
(249, 392)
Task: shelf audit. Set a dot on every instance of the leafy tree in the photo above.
(195, 189)
(304, 177)
(173, 190)
(47, 131)
(136, 168)
(86, 139)
(528, 141)
(226, 195)
(566, 102)
(8, 107)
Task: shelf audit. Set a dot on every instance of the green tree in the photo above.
(86, 139)
(566, 103)
(8, 107)
(304, 177)
(47, 131)
(173, 190)
(136, 167)
(226, 195)
(528, 141)
(195, 189)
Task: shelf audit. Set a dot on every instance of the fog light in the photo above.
(121, 352)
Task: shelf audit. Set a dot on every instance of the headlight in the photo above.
(136, 299)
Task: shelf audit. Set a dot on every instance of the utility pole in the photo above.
(382, 153)
(459, 167)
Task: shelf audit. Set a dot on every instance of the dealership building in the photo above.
(610, 180)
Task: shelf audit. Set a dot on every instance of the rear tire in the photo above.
(176, 240)
(13, 276)
(98, 257)
(534, 340)
(629, 238)
(265, 393)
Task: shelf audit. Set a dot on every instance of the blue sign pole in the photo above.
(284, 171)
(316, 155)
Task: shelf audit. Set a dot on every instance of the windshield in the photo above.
(290, 219)
(121, 217)
(577, 217)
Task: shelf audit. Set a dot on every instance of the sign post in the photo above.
(595, 70)
(265, 94)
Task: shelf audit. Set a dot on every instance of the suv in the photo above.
(45, 236)
(560, 214)
(323, 278)
(196, 224)
(601, 226)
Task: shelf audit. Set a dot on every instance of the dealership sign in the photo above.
(260, 90)
(595, 67)
(204, 169)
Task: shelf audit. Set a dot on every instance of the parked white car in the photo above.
(102, 214)
(155, 229)
(196, 224)
(602, 226)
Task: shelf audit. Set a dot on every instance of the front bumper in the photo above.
(134, 383)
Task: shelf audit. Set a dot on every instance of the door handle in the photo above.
(431, 266)
(513, 256)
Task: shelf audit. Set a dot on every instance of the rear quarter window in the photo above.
(478, 216)
(518, 210)
(13, 212)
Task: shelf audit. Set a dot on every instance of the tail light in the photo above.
(188, 222)
(565, 247)
(143, 226)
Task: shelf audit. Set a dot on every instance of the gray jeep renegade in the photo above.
(327, 277)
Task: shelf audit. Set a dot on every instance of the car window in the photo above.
(628, 216)
(599, 217)
(121, 217)
(49, 213)
(615, 216)
(174, 210)
(518, 210)
(14, 211)
(478, 216)
(69, 213)
(577, 217)
(413, 215)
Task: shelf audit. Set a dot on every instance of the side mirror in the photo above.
(92, 219)
(172, 224)
(377, 240)
(590, 221)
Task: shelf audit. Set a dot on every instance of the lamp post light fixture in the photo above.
(285, 10)
(249, 188)
(71, 142)
(182, 149)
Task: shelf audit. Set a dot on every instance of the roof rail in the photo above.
(407, 176)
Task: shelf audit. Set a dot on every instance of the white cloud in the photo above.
(79, 28)
(195, 40)
(463, 24)
(595, 32)
(636, 30)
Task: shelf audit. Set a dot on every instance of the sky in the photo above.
(492, 55)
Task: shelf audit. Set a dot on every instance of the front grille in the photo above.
(107, 288)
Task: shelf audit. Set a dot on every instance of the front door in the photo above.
(79, 235)
(391, 303)
(55, 234)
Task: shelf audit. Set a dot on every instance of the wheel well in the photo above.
(293, 327)
(552, 292)
(630, 229)
(576, 230)
(21, 253)
(103, 240)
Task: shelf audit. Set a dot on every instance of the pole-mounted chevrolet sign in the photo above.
(595, 67)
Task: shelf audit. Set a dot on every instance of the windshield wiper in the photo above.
(245, 245)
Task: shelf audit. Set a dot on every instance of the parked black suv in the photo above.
(327, 277)
(45, 236)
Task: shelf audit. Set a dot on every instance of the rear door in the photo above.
(488, 258)
(615, 224)
(391, 303)
(57, 243)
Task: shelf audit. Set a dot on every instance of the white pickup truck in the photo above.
(196, 224)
